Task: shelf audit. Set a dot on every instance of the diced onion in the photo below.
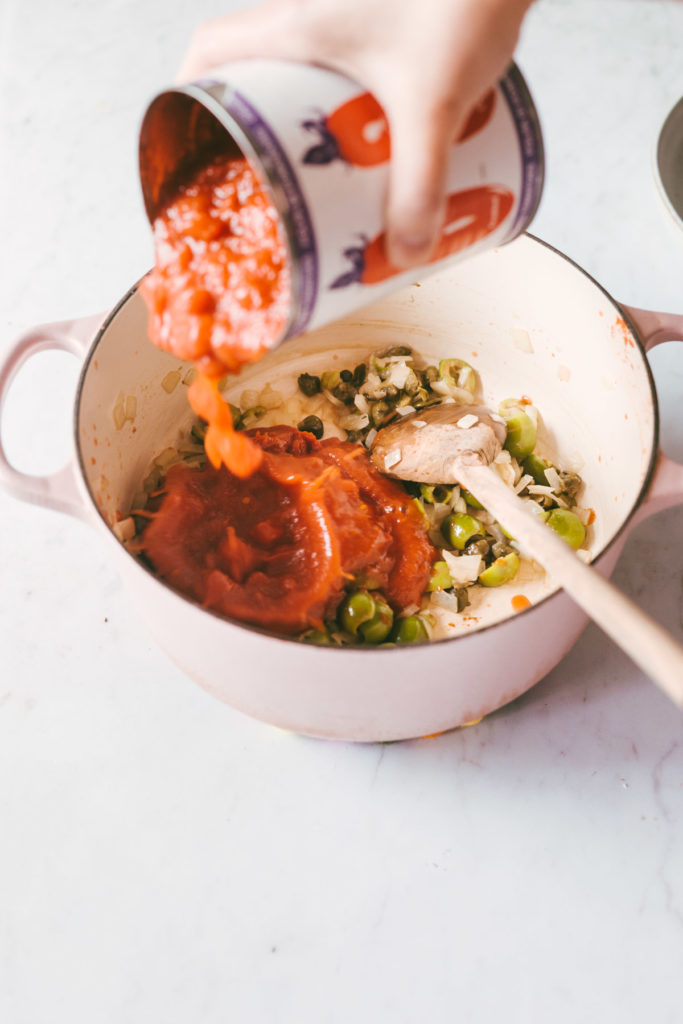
(171, 381)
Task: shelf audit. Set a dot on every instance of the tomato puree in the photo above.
(219, 292)
(278, 548)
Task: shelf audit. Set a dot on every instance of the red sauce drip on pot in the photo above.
(277, 549)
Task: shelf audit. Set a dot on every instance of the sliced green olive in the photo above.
(568, 526)
(503, 570)
(438, 494)
(318, 636)
(459, 528)
(379, 626)
(521, 430)
(440, 578)
(426, 521)
(471, 500)
(458, 372)
(410, 630)
(250, 416)
(356, 608)
(330, 379)
(535, 466)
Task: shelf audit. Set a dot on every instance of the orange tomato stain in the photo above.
(520, 602)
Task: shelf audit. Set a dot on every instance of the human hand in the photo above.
(428, 62)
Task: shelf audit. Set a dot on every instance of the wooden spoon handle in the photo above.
(643, 639)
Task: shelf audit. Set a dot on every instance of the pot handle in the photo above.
(59, 490)
(666, 488)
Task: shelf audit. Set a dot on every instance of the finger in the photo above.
(264, 31)
(421, 138)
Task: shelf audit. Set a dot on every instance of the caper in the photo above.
(479, 547)
(458, 528)
(535, 466)
(420, 397)
(359, 374)
(463, 598)
(312, 425)
(499, 548)
(458, 372)
(346, 376)
(396, 350)
(570, 485)
(503, 570)
(309, 384)
(521, 429)
(440, 578)
(379, 412)
(345, 392)
(429, 375)
(236, 416)
(410, 630)
(568, 525)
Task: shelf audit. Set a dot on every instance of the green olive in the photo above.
(330, 379)
(568, 526)
(503, 570)
(438, 494)
(379, 626)
(318, 636)
(410, 630)
(471, 500)
(535, 466)
(357, 608)
(459, 528)
(458, 372)
(426, 521)
(440, 578)
(521, 430)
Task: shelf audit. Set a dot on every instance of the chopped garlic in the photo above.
(170, 381)
(125, 529)
(405, 410)
(419, 423)
(463, 568)
(467, 421)
(521, 340)
(392, 457)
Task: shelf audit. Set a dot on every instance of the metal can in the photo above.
(320, 144)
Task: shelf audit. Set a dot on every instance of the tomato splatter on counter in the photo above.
(278, 548)
(219, 293)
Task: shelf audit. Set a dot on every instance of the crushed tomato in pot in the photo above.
(219, 293)
(278, 548)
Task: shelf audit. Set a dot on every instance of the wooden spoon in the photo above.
(449, 444)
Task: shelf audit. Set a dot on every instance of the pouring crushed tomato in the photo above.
(219, 293)
(279, 547)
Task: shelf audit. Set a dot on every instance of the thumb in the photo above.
(421, 138)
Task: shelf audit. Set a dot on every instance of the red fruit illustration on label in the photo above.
(356, 132)
(470, 216)
(479, 116)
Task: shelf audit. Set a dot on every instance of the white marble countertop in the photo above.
(165, 859)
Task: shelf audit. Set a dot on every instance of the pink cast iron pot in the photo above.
(532, 323)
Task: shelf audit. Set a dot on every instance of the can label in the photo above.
(324, 148)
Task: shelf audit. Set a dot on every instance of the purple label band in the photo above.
(530, 148)
(295, 215)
